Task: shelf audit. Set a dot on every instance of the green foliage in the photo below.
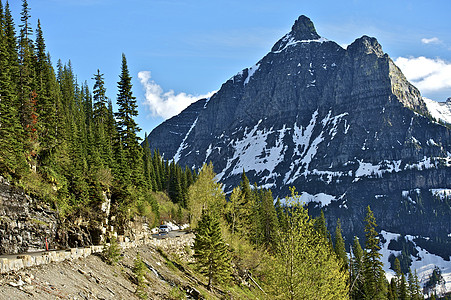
(112, 252)
(356, 270)
(177, 293)
(339, 248)
(415, 290)
(304, 266)
(128, 128)
(205, 194)
(139, 271)
(210, 251)
(435, 280)
(374, 275)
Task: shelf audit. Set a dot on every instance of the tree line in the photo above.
(290, 254)
(63, 143)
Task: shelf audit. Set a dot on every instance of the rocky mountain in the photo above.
(343, 126)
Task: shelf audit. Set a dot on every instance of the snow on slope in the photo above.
(252, 152)
(292, 41)
(424, 266)
(183, 145)
(439, 110)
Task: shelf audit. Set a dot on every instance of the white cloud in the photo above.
(434, 40)
(426, 74)
(165, 104)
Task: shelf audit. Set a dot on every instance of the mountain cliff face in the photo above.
(343, 126)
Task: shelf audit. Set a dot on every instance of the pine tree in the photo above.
(401, 283)
(210, 251)
(403, 289)
(12, 160)
(27, 93)
(100, 118)
(280, 215)
(393, 290)
(249, 208)
(127, 127)
(374, 282)
(47, 101)
(321, 228)
(139, 270)
(414, 286)
(340, 249)
(268, 219)
(233, 210)
(357, 269)
(246, 187)
(149, 176)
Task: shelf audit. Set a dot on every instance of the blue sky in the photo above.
(178, 50)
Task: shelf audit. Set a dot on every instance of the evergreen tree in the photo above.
(357, 269)
(139, 270)
(414, 286)
(321, 228)
(100, 118)
(233, 211)
(26, 92)
(268, 219)
(403, 289)
(12, 160)
(280, 215)
(393, 290)
(210, 251)
(100, 101)
(340, 249)
(401, 283)
(374, 282)
(47, 102)
(127, 127)
(149, 176)
(246, 187)
(249, 210)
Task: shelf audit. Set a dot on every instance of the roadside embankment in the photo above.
(13, 263)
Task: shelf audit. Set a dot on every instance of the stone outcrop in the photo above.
(25, 224)
(343, 126)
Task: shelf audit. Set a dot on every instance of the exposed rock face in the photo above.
(24, 223)
(343, 126)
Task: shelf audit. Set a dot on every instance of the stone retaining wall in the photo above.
(21, 261)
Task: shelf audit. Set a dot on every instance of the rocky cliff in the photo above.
(24, 224)
(343, 126)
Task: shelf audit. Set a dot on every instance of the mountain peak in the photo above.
(366, 45)
(303, 29)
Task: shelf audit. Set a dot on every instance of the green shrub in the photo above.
(139, 270)
(112, 252)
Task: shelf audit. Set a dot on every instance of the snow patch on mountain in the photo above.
(439, 110)
(322, 198)
(183, 145)
(441, 193)
(252, 152)
(369, 170)
(424, 265)
(251, 72)
(288, 40)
